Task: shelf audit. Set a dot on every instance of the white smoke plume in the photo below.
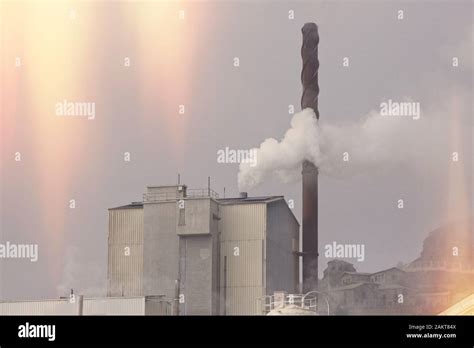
(373, 143)
(81, 274)
(285, 157)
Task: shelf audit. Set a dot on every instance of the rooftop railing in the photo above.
(271, 302)
(150, 197)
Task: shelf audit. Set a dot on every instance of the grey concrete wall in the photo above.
(199, 258)
(197, 219)
(216, 235)
(196, 275)
(181, 248)
(166, 192)
(282, 269)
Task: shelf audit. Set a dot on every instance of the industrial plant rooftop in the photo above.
(231, 200)
(249, 199)
(129, 206)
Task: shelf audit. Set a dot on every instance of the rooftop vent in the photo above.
(243, 195)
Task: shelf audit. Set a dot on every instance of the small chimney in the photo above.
(243, 195)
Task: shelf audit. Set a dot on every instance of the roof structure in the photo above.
(133, 205)
(355, 285)
(234, 200)
(389, 269)
(240, 200)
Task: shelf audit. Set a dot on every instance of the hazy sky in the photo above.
(75, 52)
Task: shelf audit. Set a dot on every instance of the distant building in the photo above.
(392, 275)
(216, 256)
(441, 276)
(332, 275)
(355, 277)
(391, 291)
(354, 298)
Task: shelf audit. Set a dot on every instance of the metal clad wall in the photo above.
(125, 273)
(114, 306)
(282, 272)
(243, 226)
(92, 306)
(246, 268)
(243, 221)
(49, 307)
(126, 226)
(243, 300)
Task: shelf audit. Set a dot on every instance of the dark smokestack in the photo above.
(309, 99)
(309, 73)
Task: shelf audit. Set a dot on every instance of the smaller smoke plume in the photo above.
(374, 143)
(81, 274)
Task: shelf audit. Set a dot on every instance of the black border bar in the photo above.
(290, 330)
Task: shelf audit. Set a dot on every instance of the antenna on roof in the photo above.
(179, 179)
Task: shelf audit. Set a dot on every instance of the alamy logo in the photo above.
(391, 108)
(237, 156)
(346, 251)
(65, 108)
(37, 331)
(19, 251)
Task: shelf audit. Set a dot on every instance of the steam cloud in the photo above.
(81, 274)
(374, 143)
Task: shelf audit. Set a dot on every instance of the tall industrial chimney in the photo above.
(309, 99)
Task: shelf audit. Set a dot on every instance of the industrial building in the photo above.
(210, 255)
(430, 284)
(188, 252)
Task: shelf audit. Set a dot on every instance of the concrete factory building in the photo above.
(210, 255)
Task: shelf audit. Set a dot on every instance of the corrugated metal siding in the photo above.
(92, 306)
(114, 306)
(243, 221)
(125, 273)
(244, 300)
(243, 226)
(126, 226)
(245, 269)
(49, 307)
